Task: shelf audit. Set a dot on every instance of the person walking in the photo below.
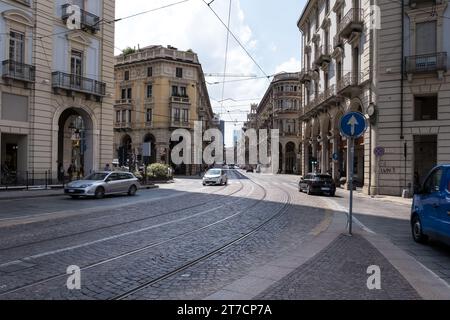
(60, 172)
(70, 171)
(107, 168)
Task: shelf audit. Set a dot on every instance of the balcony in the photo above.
(13, 70)
(89, 22)
(179, 99)
(305, 76)
(324, 100)
(323, 55)
(24, 2)
(418, 4)
(124, 103)
(75, 83)
(179, 123)
(426, 63)
(349, 85)
(351, 22)
(122, 126)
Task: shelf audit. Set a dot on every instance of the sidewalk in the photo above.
(20, 193)
(335, 266)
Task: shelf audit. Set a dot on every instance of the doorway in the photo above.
(425, 155)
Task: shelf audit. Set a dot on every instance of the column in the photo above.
(324, 164)
(305, 167)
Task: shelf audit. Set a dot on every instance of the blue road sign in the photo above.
(335, 157)
(353, 124)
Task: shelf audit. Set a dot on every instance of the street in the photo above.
(186, 241)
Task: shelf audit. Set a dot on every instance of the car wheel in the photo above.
(300, 189)
(417, 232)
(204, 184)
(132, 190)
(99, 193)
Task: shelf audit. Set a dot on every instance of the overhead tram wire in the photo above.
(236, 39)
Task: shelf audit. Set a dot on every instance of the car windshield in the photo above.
(96, 176)
(214, 172)
(323, 177)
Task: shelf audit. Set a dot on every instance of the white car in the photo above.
(215, 177)
(99, 184)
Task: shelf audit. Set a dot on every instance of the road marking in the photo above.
(86, 244)
(324, 224)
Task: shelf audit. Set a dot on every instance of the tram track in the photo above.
(171, 239)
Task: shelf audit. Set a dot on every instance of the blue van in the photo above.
(430, 213)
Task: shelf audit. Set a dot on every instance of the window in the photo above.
(17, 46)
(433, 183)
(426, 107)
(176, 115)
(126, 75)
(129, 116)
(126, 94)
(179, 72)
(426, 37)
(174, 91)
(149, 91)
(149, 115)
(117, 116)
(149, 72)
(76, 66)
(124, 115)
(183, 91)
(185, 115)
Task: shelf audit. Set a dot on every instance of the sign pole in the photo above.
(351, 165)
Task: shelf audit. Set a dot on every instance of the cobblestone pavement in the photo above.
(391, 220)
(120, 248)
(340, 272)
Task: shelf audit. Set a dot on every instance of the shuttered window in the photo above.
(426, 37)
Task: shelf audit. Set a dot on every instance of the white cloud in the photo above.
(292, 65)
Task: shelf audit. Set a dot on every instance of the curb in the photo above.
(59, 194)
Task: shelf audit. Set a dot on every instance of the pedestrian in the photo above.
(70, 171)
(60, 172)
(107, 168)
(81, 172)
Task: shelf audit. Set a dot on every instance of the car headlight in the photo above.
(86, 185)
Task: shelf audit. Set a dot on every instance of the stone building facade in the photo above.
(56, 86)
(158, 90)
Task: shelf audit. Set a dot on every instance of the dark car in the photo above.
(317, 183)
(430, 213)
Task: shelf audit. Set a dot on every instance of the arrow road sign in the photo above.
(353, 124)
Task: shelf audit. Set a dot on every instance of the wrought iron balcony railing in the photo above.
(351, 22)
(72, 82)
(89, 21)
(426, 63)
(18, 71)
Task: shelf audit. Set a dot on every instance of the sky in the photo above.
(266, 29)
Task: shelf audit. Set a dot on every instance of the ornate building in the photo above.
(56, 86)
(158, 90)
(280, 109)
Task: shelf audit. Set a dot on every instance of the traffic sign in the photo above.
(379, 151)
(335, 156)
(353, 124)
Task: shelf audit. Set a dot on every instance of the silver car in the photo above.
(100, 184)
(215, 176)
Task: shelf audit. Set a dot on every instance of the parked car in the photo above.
(430, 212)
(215, 177)
(100, 184)
(250, 169)
(317, 183)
